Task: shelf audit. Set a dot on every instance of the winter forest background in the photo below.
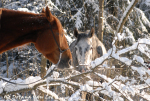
(126, 75)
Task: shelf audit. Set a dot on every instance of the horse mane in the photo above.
(21, 14)
(20, 24)
(9, 14)
(17, 13)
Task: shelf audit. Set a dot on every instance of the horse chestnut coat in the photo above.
(18, 28)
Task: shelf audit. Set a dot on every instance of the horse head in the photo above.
(57, 40)
(83, 48)
(44, 30)
(86, 48)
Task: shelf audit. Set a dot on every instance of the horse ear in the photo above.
(43, 10)
(91, 32)
(49, 15)
(76, 32)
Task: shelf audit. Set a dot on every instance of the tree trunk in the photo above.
(45, 2)
(43, 65)
(112, 9)
(7, 65)
(43, 72)
(2, 4)
(100, 22)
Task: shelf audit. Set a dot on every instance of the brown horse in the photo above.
(18, 28)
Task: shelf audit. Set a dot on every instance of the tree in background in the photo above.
(100, 21)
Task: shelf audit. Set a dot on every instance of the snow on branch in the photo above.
(27, 84)
(114, 84)
(125, 15)
(52, 94)
(142, 45)
(53, 5)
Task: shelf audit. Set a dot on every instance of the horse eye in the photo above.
(75, 48)
(62, 35)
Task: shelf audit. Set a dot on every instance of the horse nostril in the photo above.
(69, 62)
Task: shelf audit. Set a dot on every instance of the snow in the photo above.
(50, 93)
(129, 34)
(138, 59)
(143, 17)
(86, 87)
(148, 81)
(2, 85)
(120, 36)
(95, 6)
(144, 41)
(99, 60)
(147, 2)
(125, 13)
(142, 48)
(115, 84)
(53, 5)
(75, 96)
(125, 50)
(93, 83)
(140, 70)
(69, 39)
(78, 22)
(50, 69)
(123, 78)
(22, 84)
(122, 59)
(57, 2)
(63, 88)
(55, 75)
(25, 10)
(77, 16)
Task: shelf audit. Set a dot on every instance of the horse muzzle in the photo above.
(65, 63)
(83, 67)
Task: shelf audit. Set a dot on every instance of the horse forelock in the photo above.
(81, 36)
